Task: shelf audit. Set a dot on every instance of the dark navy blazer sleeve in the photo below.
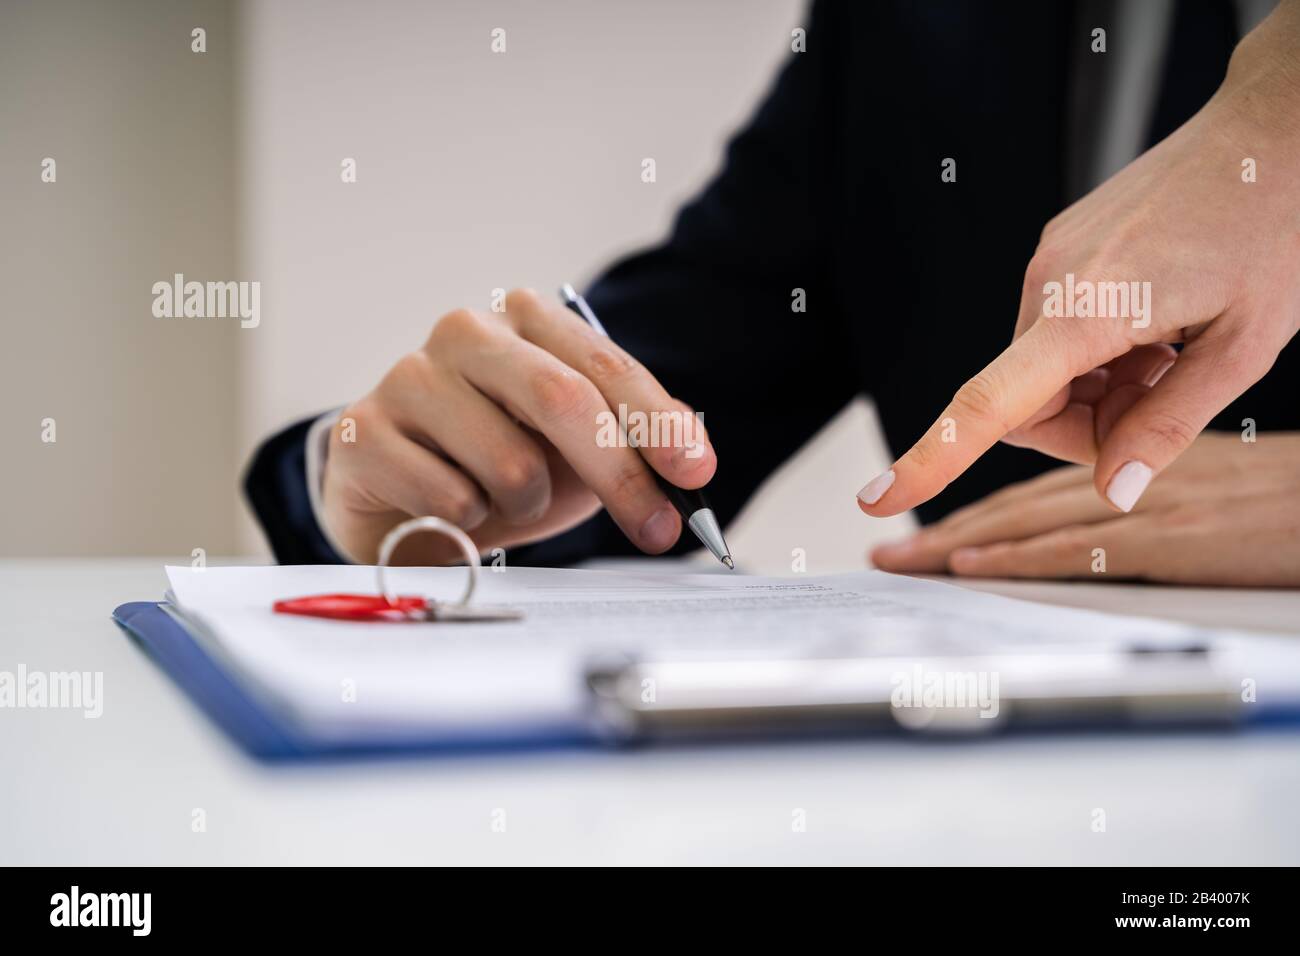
(276, 486)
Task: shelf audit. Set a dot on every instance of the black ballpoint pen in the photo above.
(691, 505)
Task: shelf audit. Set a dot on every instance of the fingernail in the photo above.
(962, 556)
(475, 517)
(691, 451)
(658, 532)
(1159, 373)
(1127, 484)
(687, 457)
(874, 489)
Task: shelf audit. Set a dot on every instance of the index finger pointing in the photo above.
(1000, 398)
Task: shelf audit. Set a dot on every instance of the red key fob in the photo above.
(354, 607)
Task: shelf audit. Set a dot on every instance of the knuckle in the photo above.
(1259, 362)
(1074, 539)
(1170, 430)
(1111, 256)
(924, 455)
(1043, 266)
(980, 399)
(460, 504)
(523, 300)
(629, 482)
(458, 325)
(1245, 364)
(519, 473)
(1050, 229)
(560, 393)
(1072, 348)
(1188, 515)
(361, 413)
(610, 363)
(409, 373)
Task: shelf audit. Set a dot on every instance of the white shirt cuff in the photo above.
(317, 452)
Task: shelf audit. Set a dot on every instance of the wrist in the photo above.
(1262, 84)
(316, 462)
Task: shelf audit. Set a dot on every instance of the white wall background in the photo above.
(140, 129)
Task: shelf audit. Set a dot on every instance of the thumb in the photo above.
(1209, 373)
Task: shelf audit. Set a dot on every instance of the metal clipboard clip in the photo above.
(1139, 685)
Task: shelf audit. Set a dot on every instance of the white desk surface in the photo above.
(121, 789)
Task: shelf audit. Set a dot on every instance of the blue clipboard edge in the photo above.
(229, 705)
(218, 695)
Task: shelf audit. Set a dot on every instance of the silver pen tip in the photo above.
(705, 526)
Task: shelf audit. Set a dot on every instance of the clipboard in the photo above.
(720, 700)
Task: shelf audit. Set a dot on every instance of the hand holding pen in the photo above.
(493, 424)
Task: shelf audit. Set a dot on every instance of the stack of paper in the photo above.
(346, 681)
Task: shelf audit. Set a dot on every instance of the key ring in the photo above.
(413, 526)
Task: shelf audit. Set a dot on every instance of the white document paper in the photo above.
(347, 680)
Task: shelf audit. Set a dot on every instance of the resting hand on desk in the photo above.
(1226, 513)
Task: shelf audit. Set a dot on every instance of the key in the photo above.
(375, 607)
